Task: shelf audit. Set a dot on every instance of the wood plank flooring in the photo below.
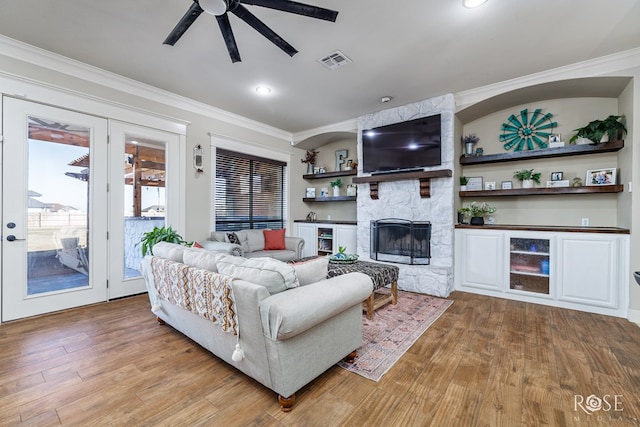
(485, 362)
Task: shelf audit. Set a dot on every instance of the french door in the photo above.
(54, 209)
(143, 174)
(76, 202)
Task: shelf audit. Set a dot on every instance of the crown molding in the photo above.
(604, 65)
(34, 55)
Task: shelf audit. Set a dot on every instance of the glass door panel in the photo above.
(144, 197)
(529, 265)
(58, 206)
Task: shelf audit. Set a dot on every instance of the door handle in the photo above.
(12, 238)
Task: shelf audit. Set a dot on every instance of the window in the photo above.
(250, 192)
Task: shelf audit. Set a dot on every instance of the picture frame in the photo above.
(506, 185)
(603, 176)
(554, 138)
(311, 192)
(474, 183)
(556, 176)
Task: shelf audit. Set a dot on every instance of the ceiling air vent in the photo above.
(334, 60)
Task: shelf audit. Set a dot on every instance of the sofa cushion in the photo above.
(274, 275)
(274, 240)
(311, 271)
(203, 259)
(168, 250)
(255, 240)
(285, 255)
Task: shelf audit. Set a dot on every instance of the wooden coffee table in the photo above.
(381, 275)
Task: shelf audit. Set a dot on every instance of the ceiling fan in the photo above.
(220, 9)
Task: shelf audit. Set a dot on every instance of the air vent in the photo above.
(334, 60)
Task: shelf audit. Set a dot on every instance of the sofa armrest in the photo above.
(294, 244)
(225, 247)
(296, 310)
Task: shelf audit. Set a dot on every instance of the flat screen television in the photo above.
(413, 144)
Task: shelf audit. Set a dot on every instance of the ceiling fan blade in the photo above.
(241, 12)
(229, 39)
(183, 25)
(297, 8)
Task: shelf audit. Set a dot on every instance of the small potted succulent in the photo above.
(477, 212)
(336, 187)
(463, 183)
(468, 143)
(600, 131)
(527, 177)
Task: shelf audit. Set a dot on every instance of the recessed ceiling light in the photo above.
(473, 3)
(263, 90)
(384, 99)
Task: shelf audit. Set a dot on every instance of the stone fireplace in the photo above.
(402, 199)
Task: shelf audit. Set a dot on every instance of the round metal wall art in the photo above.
(528, 131)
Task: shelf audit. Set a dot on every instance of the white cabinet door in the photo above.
(588, 273)
(309, 233)
(480, 259)
(345, 235)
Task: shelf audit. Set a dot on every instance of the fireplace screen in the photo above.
(401, 241)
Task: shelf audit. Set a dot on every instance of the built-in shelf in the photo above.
(569, 150)
(590, 189)
(330, 174)
(330, 199)
(423, 176)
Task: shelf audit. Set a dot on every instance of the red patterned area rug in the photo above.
(393, 330)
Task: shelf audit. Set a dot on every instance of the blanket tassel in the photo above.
(238, 354)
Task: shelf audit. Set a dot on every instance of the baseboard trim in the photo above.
(634, 316)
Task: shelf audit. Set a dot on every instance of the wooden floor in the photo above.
(485, 362)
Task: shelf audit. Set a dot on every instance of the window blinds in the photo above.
(250, 192)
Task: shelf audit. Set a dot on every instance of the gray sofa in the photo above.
(289, 331)
(252, 245)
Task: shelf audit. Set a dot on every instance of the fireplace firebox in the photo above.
(401, 241)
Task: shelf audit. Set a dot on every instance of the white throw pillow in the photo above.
(311, 271)
(276, 276)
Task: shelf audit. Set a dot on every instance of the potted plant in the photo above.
(336, 187)
(463, 183)
(310, 159)
(527, 177)
(477, 212)
(468, 142)
(159, 234)
(597, 131)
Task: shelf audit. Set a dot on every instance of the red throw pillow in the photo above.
(274, 239)
(197, 245)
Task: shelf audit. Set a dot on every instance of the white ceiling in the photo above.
(408, 49)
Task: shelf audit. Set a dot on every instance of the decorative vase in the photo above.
(468, 148)
(336, 191)
(527, 183)
(309, 168)
(477, 220)
(463, 188)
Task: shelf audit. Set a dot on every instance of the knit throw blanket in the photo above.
(202, 292)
